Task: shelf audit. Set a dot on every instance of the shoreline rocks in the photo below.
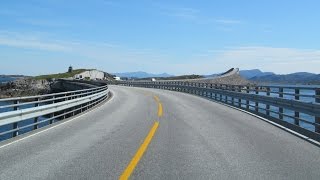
(25, 87)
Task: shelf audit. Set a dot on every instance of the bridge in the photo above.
(163, 130)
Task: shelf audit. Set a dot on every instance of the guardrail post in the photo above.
(73, 109)
(296, 113)
(239, 99)
(195, 90)
(36, 118)
(203, 91)
(220, 93)
(15, 125)
(186, 86)
(317, 119)
(183, 84)
(247, 101)
(53, 97)
(232, 98)
(280, 108)
(211, 94)
(267, 105)
(256, 103)
(226, 97)
(51, 116)
(215, 94)
(206, 89)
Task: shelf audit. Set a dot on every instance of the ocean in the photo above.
(6, 79)
(20, 124)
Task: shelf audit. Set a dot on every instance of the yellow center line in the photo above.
(135, 160)
(156, 98)
(160, 109)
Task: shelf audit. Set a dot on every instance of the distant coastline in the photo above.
(9, 78)
(6, 79)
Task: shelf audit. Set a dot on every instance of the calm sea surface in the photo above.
(20, 124)
(5, 80)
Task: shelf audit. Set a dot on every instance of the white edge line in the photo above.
(54, 126)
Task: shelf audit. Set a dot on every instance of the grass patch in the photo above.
(193, 76)
(61, 75)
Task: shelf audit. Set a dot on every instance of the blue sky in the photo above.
(177, 37)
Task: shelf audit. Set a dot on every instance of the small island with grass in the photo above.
(37, 85)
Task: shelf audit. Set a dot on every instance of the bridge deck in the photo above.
(196, 139)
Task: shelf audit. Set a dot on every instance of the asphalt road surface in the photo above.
(158, 134)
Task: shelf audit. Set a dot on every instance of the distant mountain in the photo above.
(141, 74)
(212, 75)
(12, 76)
(248, 74)
(221, 74)
(294, 78)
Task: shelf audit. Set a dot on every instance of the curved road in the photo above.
(195, 139)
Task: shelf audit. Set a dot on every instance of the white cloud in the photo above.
(31, 42)
(105, 55)
(228, 21)
(40, 22)
(194, 15)
(181, 12)
(271, 55)
(114, 57)
(279, 60)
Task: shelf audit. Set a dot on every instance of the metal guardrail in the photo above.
(53, 107)
(297, 108)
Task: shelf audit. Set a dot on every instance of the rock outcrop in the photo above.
(25, 87)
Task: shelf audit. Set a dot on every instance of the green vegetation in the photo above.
(193, 76)
(61, 75)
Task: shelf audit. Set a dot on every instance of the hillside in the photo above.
(234, 79)
(140, 74)
(248, 74)
(294, 78)
(182, 77)
(60, 75)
